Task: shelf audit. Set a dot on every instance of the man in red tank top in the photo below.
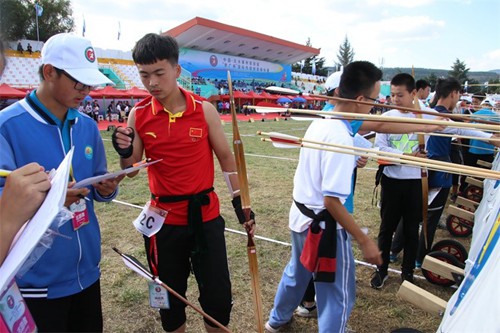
(184, 131)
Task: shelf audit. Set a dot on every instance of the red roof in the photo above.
(252, 94)
(7, 91)
(109, 92)
(269, 104)
(211, 36)
(267, 95)
(137, 92)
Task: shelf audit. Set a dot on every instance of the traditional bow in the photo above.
(423, 174)
(239, 156)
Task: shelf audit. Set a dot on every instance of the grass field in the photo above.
(270, 171)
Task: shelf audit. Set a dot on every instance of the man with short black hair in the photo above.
(401, 189)
(62, 289)
(318, 202)
(423, 90)
(183, 131)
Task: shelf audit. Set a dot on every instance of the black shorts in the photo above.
(81, 312)
(175, 245)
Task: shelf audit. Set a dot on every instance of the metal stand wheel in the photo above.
(453, 247)
(473, 193)
(459, 227)
(437, 279)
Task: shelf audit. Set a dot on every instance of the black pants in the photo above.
(401, 199)
(310, 292)
(398, 241)
(434, 213)
(80, 312)
(175, 245)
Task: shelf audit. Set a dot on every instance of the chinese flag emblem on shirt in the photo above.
(195, 132)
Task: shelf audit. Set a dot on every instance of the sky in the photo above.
(389, 33)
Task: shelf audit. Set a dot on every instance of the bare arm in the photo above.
(219, 143)
(401, 128)
(224, 155)
(398, 128)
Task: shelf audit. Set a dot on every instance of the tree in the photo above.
(18, 19)
(307, 64)
(346, 53)
(12, 15)
(494, 89)
(432, 79)
(459, 71)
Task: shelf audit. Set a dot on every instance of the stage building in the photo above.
(208, 49)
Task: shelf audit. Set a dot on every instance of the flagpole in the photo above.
(83, 27)
(36, 18)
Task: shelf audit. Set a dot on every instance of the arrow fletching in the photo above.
(135, 265)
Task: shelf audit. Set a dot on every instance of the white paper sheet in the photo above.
(96, 179)
(36, 227)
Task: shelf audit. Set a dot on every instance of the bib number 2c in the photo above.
(150, 221)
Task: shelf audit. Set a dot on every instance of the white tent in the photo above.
(475, 306)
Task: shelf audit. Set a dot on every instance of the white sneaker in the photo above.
(273, 329)
(308, 312)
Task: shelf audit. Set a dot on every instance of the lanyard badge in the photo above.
(14, 314)
(158, 296)
(80, 214)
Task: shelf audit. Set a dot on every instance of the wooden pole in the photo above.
(409, 109)
(371, 117)
(404, 159)
(452, 116)
(389, 159)
(424, 178)
(459, 136)
(239, 155)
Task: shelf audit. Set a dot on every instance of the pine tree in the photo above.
(346, 53)
(459, 71)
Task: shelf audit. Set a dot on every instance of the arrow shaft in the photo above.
(137, 267)
(375, 155)
(370, 117)
(410, 109)
(424, 162)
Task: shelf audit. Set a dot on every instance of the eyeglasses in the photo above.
(78, 85)
(374, 100)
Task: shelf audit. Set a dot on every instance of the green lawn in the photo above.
(270, 172)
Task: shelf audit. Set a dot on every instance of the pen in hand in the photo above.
(81, 196)
(4, 173)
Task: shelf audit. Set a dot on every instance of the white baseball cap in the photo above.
(76, 56)
(333, 81)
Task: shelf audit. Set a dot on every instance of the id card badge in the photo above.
(80, 214)
(150, 221)
(158, 296)
(14, 312)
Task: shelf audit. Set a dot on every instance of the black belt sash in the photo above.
(195, 218)
(327, 249)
